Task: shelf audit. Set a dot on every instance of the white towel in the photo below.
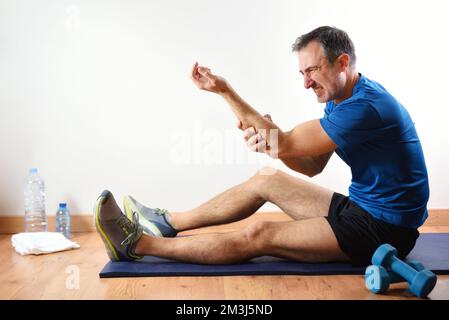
(41, 242)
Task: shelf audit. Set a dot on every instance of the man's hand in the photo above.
(256, 141)
(205, 80)
(308, 165)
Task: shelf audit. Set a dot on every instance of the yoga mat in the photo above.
(431, 249)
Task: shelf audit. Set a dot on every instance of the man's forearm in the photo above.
(245, 113)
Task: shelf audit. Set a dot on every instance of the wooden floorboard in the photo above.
(54, 276)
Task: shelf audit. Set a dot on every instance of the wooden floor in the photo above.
(55, 276)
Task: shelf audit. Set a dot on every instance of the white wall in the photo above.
(97, 94)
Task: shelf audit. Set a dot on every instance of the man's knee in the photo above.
(263, 183)
(267, 171)
(257, 234)
(265, 175)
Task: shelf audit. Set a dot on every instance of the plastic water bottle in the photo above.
(34, 192)
(63, 220)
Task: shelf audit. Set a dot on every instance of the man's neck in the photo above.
(351, 81)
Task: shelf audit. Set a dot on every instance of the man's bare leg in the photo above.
(234, 204)
(296, 197)
(310, 240)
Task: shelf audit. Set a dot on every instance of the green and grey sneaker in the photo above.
(153, 221)
(119, 234)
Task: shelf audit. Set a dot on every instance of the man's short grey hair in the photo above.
(335, 42)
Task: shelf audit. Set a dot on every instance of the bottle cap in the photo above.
(63, 205)
(33, 170)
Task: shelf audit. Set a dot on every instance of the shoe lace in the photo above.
(161, 212)
(132, 227)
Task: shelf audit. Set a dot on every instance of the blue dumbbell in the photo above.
(421, 283)
(378, 279)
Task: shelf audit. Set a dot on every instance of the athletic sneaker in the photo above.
(153, 221)
(119, 234)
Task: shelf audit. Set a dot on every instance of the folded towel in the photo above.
(41, 242)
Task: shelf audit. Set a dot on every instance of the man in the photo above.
(367, 128)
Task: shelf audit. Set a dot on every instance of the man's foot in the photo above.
(119, 234)
(153, 221)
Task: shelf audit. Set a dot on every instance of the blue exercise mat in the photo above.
(432, 250)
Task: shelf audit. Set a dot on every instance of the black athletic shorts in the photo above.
(359, 234)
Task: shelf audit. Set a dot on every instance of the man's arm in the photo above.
(306, 139)
(248, 116)
(310, 166)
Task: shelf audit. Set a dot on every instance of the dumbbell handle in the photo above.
(395, 278)
(403, 269)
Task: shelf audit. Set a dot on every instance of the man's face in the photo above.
(327, 81)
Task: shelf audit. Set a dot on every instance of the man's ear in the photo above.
(344, 61)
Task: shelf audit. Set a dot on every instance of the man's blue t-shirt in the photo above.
(377, 139)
